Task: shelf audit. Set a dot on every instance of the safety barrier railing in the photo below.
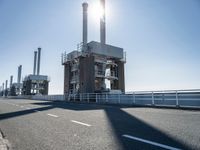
(174, 98)
(177, 98)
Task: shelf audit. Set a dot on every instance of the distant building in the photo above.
(35, 83)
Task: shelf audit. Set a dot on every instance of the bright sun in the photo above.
(96, 10)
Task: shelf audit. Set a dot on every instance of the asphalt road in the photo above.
(43, 125)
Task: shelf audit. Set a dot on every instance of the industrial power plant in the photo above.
(87, 69)
(35, 83)
(32, 84)
(94, 72)
(95, 67)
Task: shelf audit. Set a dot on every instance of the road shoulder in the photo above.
(4, 144)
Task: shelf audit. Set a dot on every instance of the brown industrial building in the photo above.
(95, 67)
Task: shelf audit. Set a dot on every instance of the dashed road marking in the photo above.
(150, 142)
(52, 115)
(81, 123)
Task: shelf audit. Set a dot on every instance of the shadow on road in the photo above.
(120, 121)
(23, 112)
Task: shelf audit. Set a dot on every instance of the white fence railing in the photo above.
(175, 98)
(178, 98)
(49, 97)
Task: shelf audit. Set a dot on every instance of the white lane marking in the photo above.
(22, 106)
(28, 108)
(16, 105)
(85, 124)
(150, 142)
(52, 115)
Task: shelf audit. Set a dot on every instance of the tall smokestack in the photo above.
(6, 85)
(38, 65)
(19, 74)
(103, 24)
(85, 22)
(11, 80)
(3, 89)
(3, 86)
(35, 61)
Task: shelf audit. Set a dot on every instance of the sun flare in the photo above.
(96, 10)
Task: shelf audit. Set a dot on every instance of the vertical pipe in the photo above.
(85, 23)
(177, 104)
(152, 98)
(11, 80)
(38, 64)
(35, 60)
(103, 24)
(3, 86)
(19, 74)
(3, 89)
(6, 85)
(6, 88)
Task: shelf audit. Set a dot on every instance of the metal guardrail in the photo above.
(170, 98)
(177, 98)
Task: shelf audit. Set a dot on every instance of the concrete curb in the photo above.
(4, 144)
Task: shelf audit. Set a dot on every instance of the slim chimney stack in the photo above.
(103, 24)
(38, 64)
(19, 74)
(35, 62)
(6, 85)
(3, 86)
(85, 23)
(3, 89)
(11, 80)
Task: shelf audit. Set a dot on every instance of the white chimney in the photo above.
(6, 85)
(85, 23)
(11, 80)
(103, 24)
(38, 64)
(19, 74)
(35, 61)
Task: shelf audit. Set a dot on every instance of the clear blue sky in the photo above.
(161, 38)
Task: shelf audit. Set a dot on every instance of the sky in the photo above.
(161, 39)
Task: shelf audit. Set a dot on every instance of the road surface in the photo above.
(44, 125)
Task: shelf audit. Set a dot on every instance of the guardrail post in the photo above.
(80, 97)
(106, 97)
(152, 96)
(74, 97)
(96, 98)
(177, 104)
(133, 98)
(88, 99)
(119, 98)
